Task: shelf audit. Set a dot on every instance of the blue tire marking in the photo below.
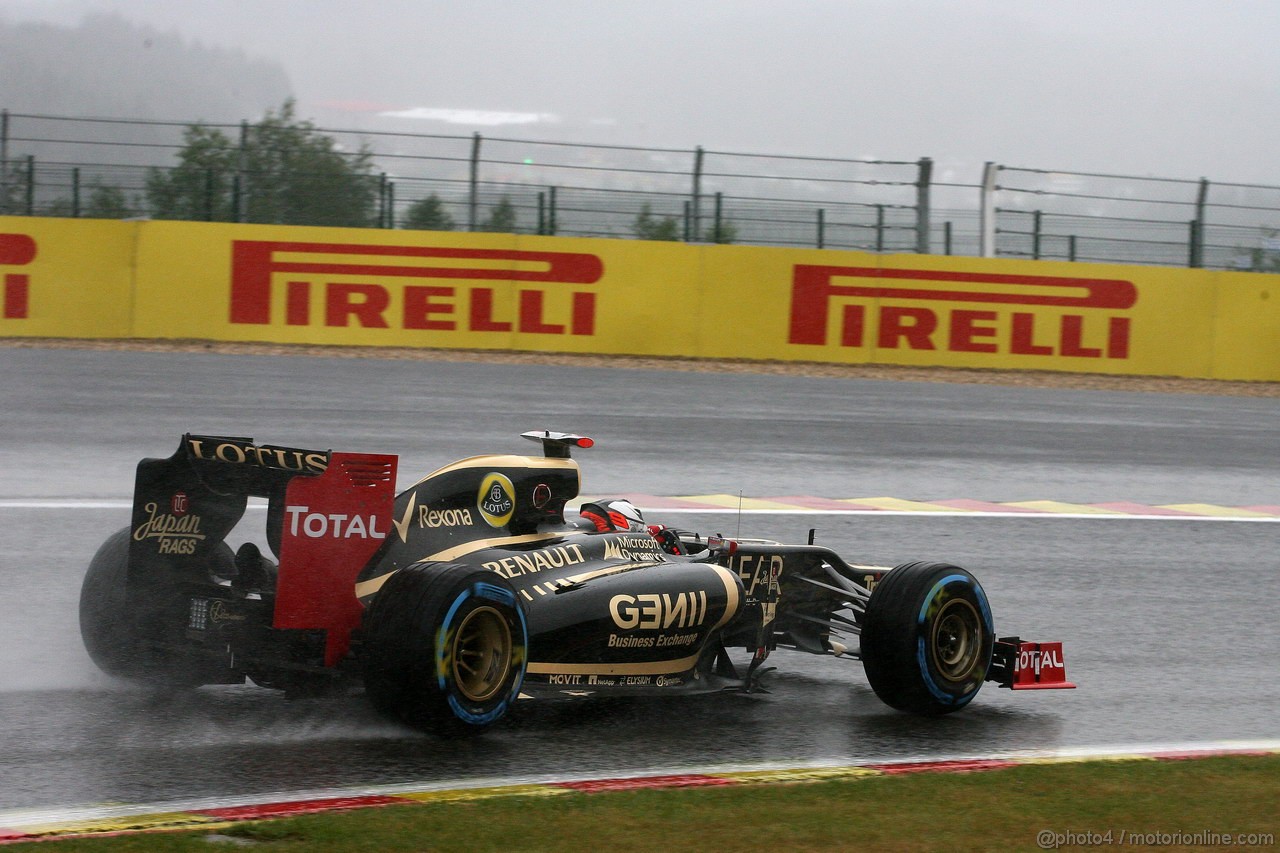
(493, 593)
(502, 596)
(921, 658)
(467, 715)
(442, 636)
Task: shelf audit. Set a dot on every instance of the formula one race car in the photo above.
(471, 589)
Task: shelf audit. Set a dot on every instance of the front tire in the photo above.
(926, 638)
(444, 648)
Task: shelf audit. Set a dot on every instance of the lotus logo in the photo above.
(496, 499)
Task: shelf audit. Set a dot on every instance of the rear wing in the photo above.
(327, 514)
(186, 504)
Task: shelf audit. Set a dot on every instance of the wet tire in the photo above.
(444, 648)
(118, 638)
(926, 638)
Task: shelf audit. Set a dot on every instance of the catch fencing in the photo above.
(104, 168)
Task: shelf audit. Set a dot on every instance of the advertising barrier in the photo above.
(280, 284)
(66, 278)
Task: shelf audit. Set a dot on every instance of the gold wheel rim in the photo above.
(482, 654)
(956, 640)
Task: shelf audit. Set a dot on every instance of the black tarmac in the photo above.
(1170, 626)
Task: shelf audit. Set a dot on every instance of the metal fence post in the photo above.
(473, 201)
(208, 195)
(4, 161)
(1193, 244)
(75, 192)
(1197, 235)
(31, 185)
(987, 211)
(1035, 234)
(946, 237)
(879, 227)
(241, 212)
(694, 232)
(822, 228)
(551, 211)
(382, 200)
(391, 204)
(1071, 248)
(542, 213)
(923, 180)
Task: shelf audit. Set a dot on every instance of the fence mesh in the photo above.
(90, 167)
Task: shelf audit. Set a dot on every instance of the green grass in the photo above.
(993, 810)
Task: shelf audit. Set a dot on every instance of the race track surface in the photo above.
(1169, 625)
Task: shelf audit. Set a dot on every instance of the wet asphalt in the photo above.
(1170, 626)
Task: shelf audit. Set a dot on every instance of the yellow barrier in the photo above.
(99, 279)
(66, 278)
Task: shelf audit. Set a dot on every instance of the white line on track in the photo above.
(1083, 516)
(92, 503)
(62, 503)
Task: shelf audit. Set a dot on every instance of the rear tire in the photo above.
(115, 636)
(926, 638)
(444, 648)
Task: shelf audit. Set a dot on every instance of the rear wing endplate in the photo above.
(333, 525)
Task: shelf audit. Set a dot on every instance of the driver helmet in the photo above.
(614, 514)
(625, 515)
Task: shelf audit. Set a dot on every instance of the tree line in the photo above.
(282, 170)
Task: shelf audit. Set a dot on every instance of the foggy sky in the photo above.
(1171, 88)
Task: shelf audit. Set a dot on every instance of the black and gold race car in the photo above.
(472, 589)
